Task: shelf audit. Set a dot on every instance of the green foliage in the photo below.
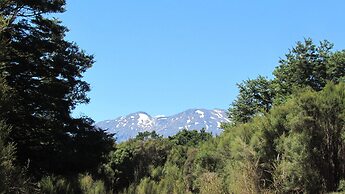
(242, 171)
(306, 65)
(89, 186)
(172, 180)
(13, 178)
(55, 185)
(41, 83)
(190, 137)
(45, 73)
(152, 164)
(341, 187)
(147, 135)
(287, 134)
(207, 158)
(134, 160)
(145, 186)
(210, 183)
(255, 97)
(296, 147)
(83, 184)
(335, 67)
(296, 172)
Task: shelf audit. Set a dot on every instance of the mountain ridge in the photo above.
(127, 127)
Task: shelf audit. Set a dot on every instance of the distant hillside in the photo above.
(129, 126)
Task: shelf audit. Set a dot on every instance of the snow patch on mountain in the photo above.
(129, 126)
(202, 114)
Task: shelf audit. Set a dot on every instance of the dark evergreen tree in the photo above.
(45, 71)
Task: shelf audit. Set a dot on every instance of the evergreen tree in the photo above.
(45, 71)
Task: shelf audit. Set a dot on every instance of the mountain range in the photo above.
(127, 127)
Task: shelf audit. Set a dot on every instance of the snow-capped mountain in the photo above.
(129, 126)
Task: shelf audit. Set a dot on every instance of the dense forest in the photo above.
(287, 134)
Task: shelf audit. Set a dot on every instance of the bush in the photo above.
(209, 182)
(89, 186)
(55, 185)
(84, 184)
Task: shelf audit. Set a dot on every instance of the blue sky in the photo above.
(165, 56)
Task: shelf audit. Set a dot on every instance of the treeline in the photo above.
(287, 134)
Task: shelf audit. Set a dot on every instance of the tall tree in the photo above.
(46, 71)
(255, 96)
(305, 65)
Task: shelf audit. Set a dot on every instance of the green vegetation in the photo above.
(297, 146)
(287, 134)
(41, 83)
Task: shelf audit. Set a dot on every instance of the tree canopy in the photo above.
(45, 72)
(305, 65)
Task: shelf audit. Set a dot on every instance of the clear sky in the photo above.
(165, 56)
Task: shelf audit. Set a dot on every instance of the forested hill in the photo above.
(286, 135)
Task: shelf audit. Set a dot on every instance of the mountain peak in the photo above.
(129, 126)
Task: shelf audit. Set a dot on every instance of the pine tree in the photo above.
(45, 71)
